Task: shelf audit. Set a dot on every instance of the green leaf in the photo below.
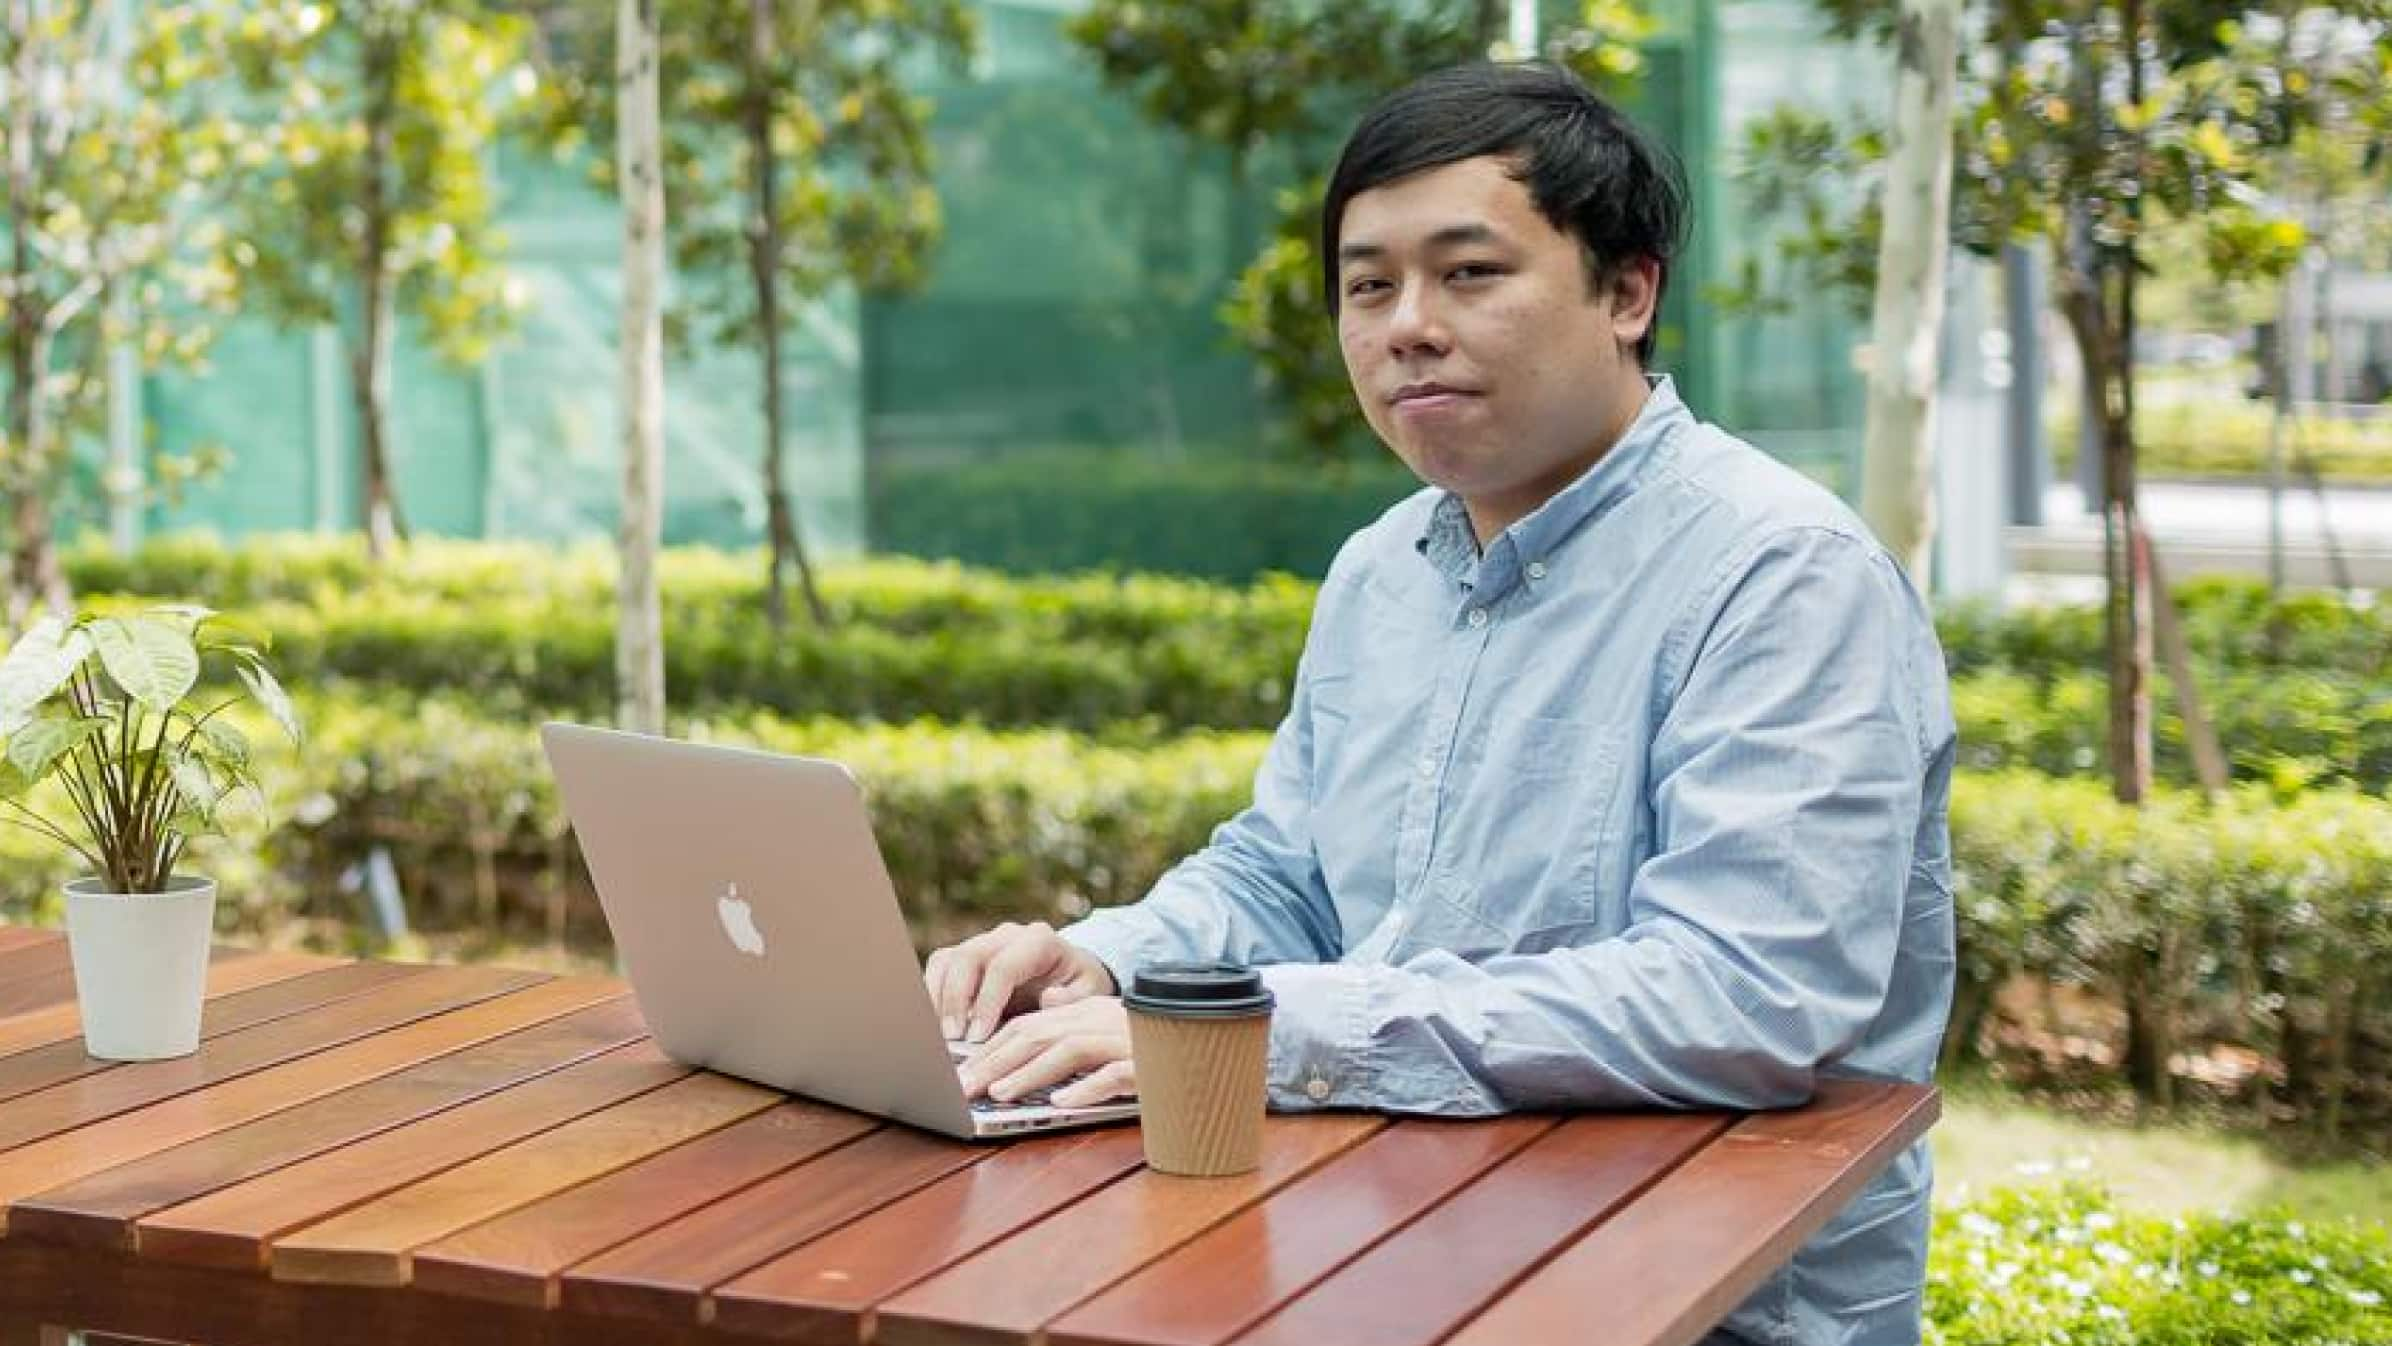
(154, 662)
(38, 665)
(190, 615)
(225, 742)
(12, 781)
(269, 694)
(34, 748)
(192, 782)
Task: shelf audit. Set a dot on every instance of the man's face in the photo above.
(1475, 343)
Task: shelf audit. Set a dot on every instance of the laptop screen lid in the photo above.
(756, 921)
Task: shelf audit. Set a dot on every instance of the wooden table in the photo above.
(378, 1152)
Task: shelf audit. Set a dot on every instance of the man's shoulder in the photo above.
(1395, 533)
(1752, 494)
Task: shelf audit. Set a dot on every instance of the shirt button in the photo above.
(1317, 1090)
(1536, 570)
(1478, 617)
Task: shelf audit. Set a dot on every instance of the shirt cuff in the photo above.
(1320, 1042)
(1113, 936)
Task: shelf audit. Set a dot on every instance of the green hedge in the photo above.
(2043, 1266)
(1133, 654)
(2254, 922)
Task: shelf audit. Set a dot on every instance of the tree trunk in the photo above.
(764, 266)
(369, 360)
(1898, 455)
(2127, 610)
(639, 627)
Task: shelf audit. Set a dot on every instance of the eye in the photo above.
(1471, 271)
(1361, 287)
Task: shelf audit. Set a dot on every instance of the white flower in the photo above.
(2111, 1313)
(2366, 1299)
(2068, 1234)
(1975, 1224)
(2241, 1297)
(2207, 1268)
(2318, 1261)
(2297, 1230)
(2100, 1219)
(2301, 1276)
(2111, 1253)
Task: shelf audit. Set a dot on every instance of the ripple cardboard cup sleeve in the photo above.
(1200, 1038)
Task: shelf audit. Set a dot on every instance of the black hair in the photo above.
(1589, 170)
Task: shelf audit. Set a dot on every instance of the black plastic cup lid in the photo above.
(1198, 991)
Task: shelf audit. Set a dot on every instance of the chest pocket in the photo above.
(1526, 842)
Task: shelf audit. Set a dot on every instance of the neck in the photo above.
(1491, 514)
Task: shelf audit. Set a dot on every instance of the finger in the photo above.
(1014, 1044)
(1058, 1062)
(1117, 1080)
(1056, 997)
(959, 977)
(934, 980)
(1008, 969)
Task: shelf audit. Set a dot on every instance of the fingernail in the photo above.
(979, 1032)
(1001, 1093)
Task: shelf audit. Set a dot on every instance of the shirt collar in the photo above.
(1450, 544)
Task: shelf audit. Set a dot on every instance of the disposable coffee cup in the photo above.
(1200, 1037)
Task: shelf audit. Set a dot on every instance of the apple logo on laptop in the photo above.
(739, 922)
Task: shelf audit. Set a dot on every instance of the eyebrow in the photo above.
(1452, 235)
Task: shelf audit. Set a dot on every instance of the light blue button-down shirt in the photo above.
(1642, 805)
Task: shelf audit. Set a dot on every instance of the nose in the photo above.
(1414, 324)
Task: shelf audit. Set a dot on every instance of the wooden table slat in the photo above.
(1745, 1203)
(340, 1017)
(58, 1062)
(1012, 1290)
(99, 1210)
(18, 936)
(122, 1139)
(1239, 1271)
(1416, 1286)
(229, 1229)
(516, 1257)
(664, 1274)
(35, 977)
(823, 1291)
(230, 971)
(371, 1244)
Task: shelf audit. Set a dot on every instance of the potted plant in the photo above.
(111, 711)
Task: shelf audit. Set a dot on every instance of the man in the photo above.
(1616, 769)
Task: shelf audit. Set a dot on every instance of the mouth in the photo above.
(1428, 397)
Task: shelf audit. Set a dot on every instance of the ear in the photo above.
(1635, 300)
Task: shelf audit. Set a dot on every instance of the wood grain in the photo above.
(1672, 1265)
(1237, 1272)
(57, 1062)
(663, 1275)
(824, 1291)
(229, 971)
(516, 1257)
(99, 1210)
(75, 1154)
(344, 1018)
(371, 1244)
(19, 936)
(230, 1229)
(1416, 1286)
(1012, 1290)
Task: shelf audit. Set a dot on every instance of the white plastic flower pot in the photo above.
(141, 966)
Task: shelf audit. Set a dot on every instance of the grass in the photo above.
(1991, 1138)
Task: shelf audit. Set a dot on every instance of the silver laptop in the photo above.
(759, 930)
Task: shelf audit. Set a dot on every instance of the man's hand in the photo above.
(978, 983)
(1090, 1035)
